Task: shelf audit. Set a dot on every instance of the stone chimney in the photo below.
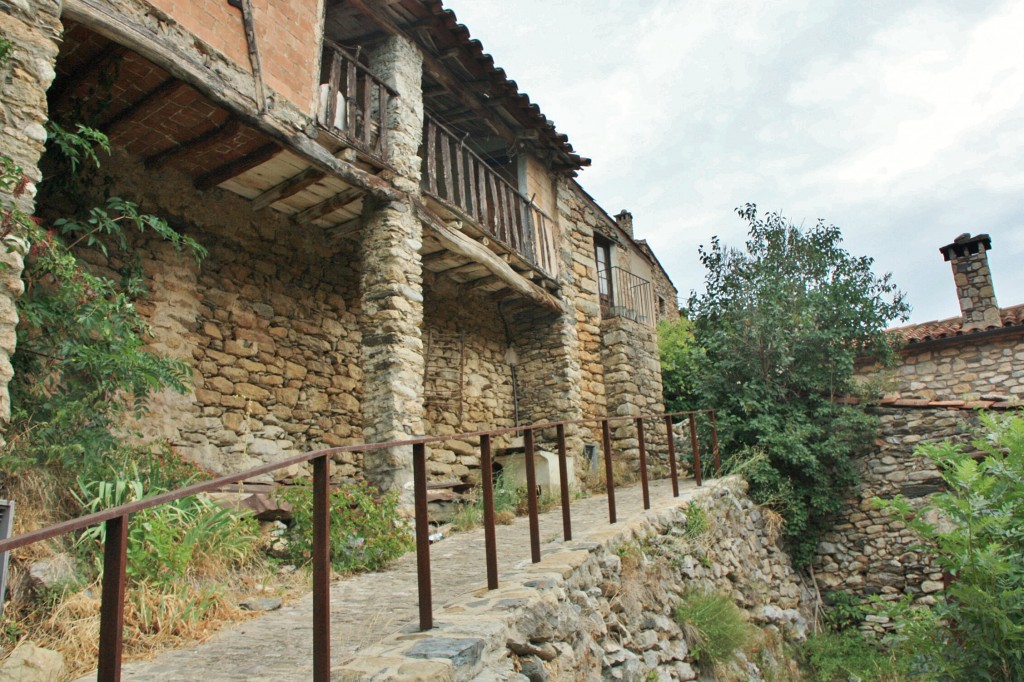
(969, 257)
(625, 221)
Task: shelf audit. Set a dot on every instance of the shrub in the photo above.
(366, 532)
(848, 655)
(714, 626)
(977, 631)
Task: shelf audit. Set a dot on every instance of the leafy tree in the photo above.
(779, 327)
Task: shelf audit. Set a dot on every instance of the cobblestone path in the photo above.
(366, 608)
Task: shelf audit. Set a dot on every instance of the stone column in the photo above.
(33, 27)
(392, 283)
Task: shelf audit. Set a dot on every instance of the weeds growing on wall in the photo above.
(713, 625)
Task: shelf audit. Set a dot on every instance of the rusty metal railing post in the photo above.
(563, 483)
(714, 443)
(698, 475)
(419, 477)
(609, 476)
(321, 570)
(115, 558)
(643, 461)
(531, 496)
(672, 456)
(490, 543)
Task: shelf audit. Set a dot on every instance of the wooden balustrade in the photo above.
(353, 102)
(456, 176)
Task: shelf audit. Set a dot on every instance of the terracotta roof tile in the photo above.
(953, 326)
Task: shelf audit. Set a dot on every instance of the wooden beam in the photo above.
(345, 229)
(338, 201)
(197, 144)
(108, 20)
(482, 281)
(434, 68)
(152, 99)
(435, 256)
(87, 71)
(237, 167)
(289, 187)
(463, 245)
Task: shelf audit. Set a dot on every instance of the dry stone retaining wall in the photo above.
(870, 551)
(601, 607)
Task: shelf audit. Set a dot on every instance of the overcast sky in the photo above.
(900, 122)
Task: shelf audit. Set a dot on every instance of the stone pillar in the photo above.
(33, 27)
(391, 283)
(632, 376)
(968, 257)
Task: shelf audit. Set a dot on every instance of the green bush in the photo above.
(713, 625)
(169, 542)
(366, 531)
(848, 655)
(976, 632)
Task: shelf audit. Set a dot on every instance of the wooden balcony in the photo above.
(465, 184)
(353, 102)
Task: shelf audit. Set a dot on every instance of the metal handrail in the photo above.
(116, 519)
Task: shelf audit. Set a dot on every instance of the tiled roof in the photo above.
(953, 326)
(519, 103)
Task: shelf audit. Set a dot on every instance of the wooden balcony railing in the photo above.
(353, 102)
(454, 175)
(632, 296)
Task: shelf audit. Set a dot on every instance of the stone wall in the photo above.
(601, 607)
(969, 369)
(870, 551)
(468, 376)
(629, 353)
(269, 321)
(34, 29)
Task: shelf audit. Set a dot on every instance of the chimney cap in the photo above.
(965, 245)
(623, 213)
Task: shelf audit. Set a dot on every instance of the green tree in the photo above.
(780, 326)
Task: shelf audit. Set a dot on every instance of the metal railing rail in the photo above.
(630, 293)
(116, 519)
(456, 176)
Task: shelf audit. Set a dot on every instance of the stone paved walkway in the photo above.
(367, 608)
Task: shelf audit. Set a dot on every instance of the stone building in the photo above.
(947, 370)
(397, 243)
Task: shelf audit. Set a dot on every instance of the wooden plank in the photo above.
(485, 205)
(337, 202)
(237, 167)
(196, 145)
(333, 89)
(288, 188)
(494, 227)
(152, 100)
(474, 197)
(432, 157)
(249, 25)
(367, 107)
(351, 88)
(382, 122)
(446, 167)
(461, 244)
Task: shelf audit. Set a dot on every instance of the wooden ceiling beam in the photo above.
(154, 99)
(92, 68)
(196, 145)
(237, 167)
(288, 188)
(335, 203)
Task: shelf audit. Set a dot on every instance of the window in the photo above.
(603, 256)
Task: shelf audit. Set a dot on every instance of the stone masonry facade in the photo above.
(315, 320)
